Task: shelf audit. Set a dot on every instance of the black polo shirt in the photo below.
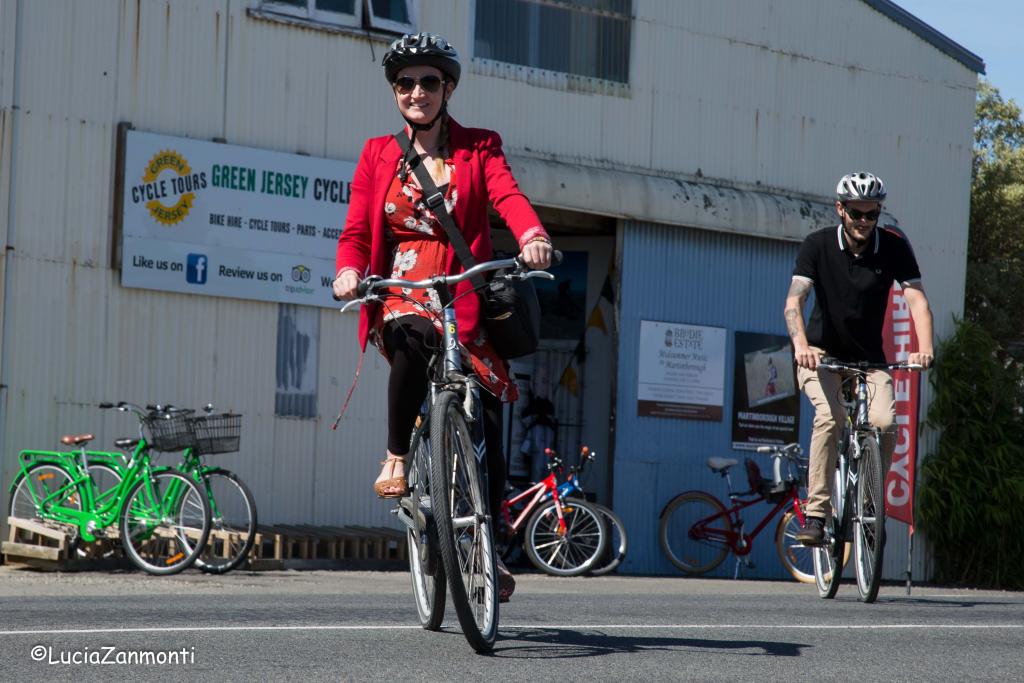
(851, 292)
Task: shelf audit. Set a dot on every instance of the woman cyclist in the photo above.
(391, 232)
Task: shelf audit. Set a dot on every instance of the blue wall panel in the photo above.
(705, 278)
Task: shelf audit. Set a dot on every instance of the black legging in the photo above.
(409, 342)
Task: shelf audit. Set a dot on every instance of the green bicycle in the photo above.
(232, 505)
(161, 516)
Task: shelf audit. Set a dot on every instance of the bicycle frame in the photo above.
(855, 402)
(741, 543)
(94, 514)
(191, 464)
(547, 487)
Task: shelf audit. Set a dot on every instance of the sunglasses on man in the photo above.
(406, 84)
(856, 215)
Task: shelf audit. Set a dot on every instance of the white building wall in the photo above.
(776, 97)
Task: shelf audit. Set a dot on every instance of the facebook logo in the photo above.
(195, 269)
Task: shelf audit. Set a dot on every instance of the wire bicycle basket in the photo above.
(216, 433)
(169, 432)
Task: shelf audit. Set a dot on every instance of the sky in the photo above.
(990, 29)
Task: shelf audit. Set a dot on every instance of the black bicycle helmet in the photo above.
(427, 49)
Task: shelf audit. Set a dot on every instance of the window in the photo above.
(298, 334)
(587, 38)
(390, 15)
(395, 16)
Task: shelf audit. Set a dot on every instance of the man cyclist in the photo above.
(851, 268)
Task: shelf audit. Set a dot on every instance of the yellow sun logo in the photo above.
(168, 160)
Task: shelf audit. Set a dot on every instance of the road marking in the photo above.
(520, 627)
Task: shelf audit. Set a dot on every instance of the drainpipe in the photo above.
(6, 470)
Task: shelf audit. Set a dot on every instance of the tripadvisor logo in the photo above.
(168, 187)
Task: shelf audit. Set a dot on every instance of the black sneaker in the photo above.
(813, 533)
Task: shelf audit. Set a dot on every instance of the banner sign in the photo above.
(766, 404)
(899, 341)
(682, 371)
(224, 220)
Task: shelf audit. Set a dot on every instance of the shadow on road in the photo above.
(550, 643)
(949, 602)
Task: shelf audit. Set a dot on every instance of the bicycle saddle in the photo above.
(75, 439)
(719, 465)
(126, 444)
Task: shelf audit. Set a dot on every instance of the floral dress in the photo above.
(419, 251)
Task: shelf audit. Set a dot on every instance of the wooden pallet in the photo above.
(46, 544)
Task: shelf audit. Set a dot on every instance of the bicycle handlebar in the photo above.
(836, 365)
(371, 284)
(150, 411)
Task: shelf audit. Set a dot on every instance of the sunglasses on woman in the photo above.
(856, 215)
(406, 84)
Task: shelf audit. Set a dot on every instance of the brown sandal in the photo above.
(506, 584)
(399, 483)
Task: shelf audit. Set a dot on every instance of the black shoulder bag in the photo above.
(510, 311)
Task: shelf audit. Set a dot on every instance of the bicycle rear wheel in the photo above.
(618, 543)
(51, 485)
(465, 536)
(693, 531)
(568, 550)
(828, 569)
(232, 522)
(425, 566)
(165, 522)
(869, 520)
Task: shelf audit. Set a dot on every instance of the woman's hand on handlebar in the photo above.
(345, 285)
(537, 254)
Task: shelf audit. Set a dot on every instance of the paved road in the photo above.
(362, 626)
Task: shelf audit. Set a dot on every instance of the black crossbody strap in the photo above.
(434, 200)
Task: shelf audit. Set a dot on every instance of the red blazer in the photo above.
(481, 174)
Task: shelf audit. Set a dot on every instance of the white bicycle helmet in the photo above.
(860, 186)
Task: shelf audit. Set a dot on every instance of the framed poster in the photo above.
(766, 403)
(682, 371)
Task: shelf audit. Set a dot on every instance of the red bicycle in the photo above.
(563, 536)
(697, 530)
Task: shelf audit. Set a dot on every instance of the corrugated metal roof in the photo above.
(930, 35)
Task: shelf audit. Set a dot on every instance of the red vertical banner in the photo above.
(900, 341)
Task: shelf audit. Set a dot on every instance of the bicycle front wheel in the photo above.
(428, 578)
(795, 556)
(464, 533)
(566, 546)
(693, 530)
(869, 520)
(828, 568)
(232, 522)
(165, 522)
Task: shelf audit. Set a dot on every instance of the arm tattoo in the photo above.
(793, 322)
(794, 318)
(799, 288)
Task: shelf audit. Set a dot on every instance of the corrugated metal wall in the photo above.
(74, 335)
(692, 276)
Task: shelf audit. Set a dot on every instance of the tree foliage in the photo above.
(994, 295)
(971, 500)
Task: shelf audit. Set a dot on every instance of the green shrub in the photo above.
(971, 498)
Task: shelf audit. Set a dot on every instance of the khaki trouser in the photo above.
(823, 388)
